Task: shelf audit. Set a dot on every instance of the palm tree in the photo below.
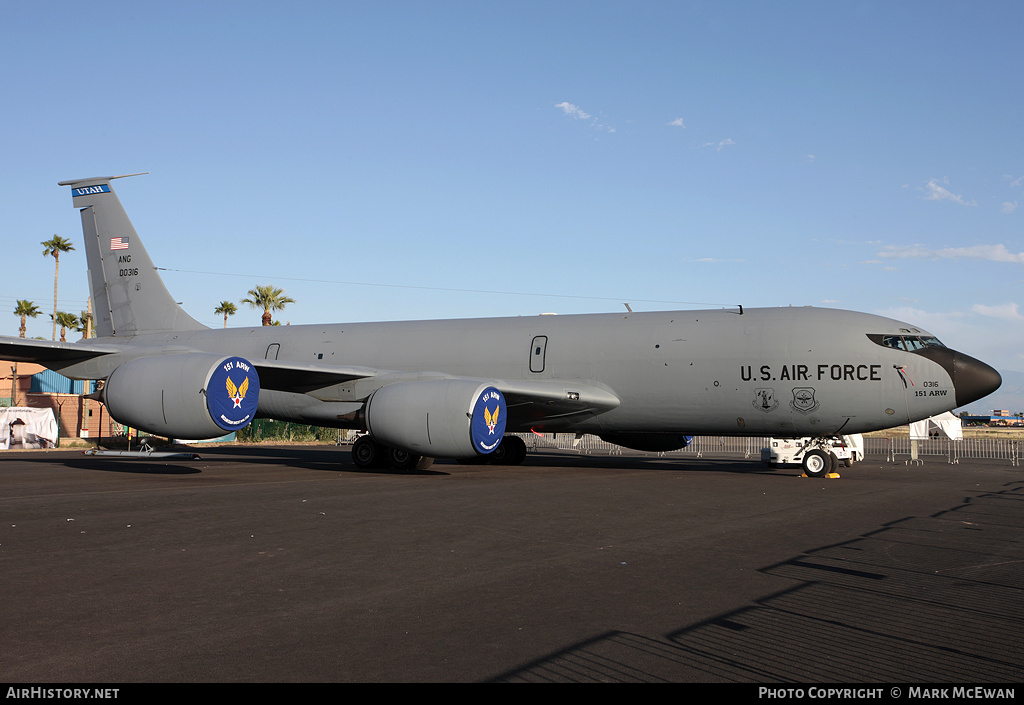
(65, 320)
(54, 246)
(269, 298)
(83, 324)
(25, 309)
(228, 309)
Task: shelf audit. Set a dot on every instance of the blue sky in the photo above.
(408, 160)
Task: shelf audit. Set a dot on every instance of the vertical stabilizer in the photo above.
(129, 297)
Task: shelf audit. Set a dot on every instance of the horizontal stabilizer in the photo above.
(48, 351)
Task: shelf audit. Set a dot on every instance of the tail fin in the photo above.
(129, 298)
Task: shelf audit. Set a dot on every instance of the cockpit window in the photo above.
(910, 343)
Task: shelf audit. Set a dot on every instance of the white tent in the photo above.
(26, 427)
(944, 424)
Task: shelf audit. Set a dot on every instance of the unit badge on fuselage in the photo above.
(764, 399)
(803, 400)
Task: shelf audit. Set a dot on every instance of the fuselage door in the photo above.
(272, 350)
(537, 352)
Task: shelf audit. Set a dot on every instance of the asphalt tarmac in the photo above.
(289, 564)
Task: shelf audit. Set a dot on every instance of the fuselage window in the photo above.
(537, 353)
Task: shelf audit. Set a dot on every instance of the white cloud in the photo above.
(1009, 207)
(577, 113)
(929, 320)
(992, 253)
(678, 122)
(979, 332)
(1007, 312)
(936, 192)
(573, 111)
(719, 146)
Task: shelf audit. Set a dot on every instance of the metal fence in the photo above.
(902, 449)
(895, 450)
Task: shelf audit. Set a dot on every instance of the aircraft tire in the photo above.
(511, 451)
(519, 450)
(817, 463)
(500, 454)
(399, 459)
(366, 453)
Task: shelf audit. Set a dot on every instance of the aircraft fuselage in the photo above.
(798, 371)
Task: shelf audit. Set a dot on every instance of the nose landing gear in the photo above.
(819, 463)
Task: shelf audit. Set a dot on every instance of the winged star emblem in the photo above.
(237, 393)
(490, 419)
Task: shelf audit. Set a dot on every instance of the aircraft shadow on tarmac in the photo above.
(296, 457)
(333, 459)
(140, 466)
(934, 599)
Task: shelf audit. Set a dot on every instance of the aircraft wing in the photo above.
(533, 404)
(274, 374)
(306, 378)
(44, 351)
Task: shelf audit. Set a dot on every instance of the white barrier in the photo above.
(894, 449)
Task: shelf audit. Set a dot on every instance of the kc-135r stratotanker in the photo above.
(455, 388)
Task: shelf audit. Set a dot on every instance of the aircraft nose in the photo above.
(973, 379)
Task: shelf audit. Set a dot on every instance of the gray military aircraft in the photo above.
(454, 388)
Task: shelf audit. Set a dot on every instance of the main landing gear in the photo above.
(511, 451)
(367, 453)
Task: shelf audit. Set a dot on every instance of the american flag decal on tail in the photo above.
(118, 243)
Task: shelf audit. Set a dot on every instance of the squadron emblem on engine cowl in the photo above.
(233, 393)
(487, 421)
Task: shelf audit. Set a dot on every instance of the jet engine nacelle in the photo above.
(186, 395)
(443, 418)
